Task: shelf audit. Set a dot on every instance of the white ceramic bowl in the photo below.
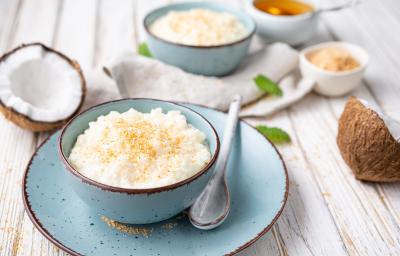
(294, 30)
(330, 83)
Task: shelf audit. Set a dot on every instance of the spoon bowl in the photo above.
(212, 216)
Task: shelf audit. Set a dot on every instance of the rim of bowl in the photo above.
(110, 188)
(283, 18)
(363, 64)
(226, 9)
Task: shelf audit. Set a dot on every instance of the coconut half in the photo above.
(40, 88)
(369, 142)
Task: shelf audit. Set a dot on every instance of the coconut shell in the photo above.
(367, 145)
(33, 125)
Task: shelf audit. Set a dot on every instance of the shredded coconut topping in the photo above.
(140, 150)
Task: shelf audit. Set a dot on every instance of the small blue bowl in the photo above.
(205, 60)
(136, 206)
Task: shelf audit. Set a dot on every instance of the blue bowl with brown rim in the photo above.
(136, 206)
(204, 60)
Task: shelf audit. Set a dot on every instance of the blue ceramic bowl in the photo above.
(205, 60)
(137, 206)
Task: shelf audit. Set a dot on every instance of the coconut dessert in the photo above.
(40, 88)
(140, 150)
(369, 142)
(199, 27)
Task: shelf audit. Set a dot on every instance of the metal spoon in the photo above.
(212, 206)
(338, 7)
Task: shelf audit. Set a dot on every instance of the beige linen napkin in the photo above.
(138, 76)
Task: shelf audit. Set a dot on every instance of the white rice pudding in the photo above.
(199, 27)
(140, 150)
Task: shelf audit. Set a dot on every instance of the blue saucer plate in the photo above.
(257, 179)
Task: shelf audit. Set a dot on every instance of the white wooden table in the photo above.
(328, 211)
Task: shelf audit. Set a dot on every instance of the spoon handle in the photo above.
(229, 134)
(208, 204)
(339, 7)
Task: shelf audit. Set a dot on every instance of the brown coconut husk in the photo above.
(367, 145)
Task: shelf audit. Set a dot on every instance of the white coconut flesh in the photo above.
(392, 125)
(40, 84)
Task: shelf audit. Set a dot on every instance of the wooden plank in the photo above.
(116, 33)
(390, 194)
(306, 226)
(77, 31)
(34, 22)
(33, 242)
(10, 11)
(392, 7)
(142, 8)
(266, 245)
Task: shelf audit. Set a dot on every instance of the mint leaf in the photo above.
(275, 135)
(143, 50)
(267, 85)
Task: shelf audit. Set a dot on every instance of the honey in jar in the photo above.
(283, 7)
